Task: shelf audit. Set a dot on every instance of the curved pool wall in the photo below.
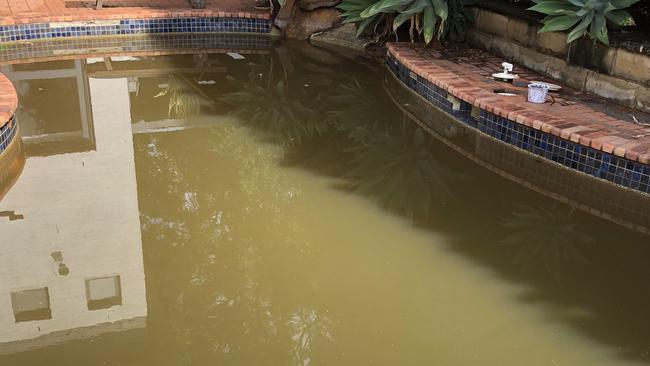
(481, 138)
(223, 23)
(619, 194)
(7, 133)
(156, 33)
(12, 158)
(137, 45)
(8, 106)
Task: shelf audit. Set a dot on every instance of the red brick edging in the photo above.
(577, 123)
(132, 14)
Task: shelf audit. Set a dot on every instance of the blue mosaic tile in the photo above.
(164, 42)
(7, 134)
(596, 163)
(432, 93)
(12, 33)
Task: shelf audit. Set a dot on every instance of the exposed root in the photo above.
(635, 120)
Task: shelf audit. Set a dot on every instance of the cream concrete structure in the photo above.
(85, 206)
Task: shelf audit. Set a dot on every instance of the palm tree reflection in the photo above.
(397, 166)
(220, 234)
(225, 233)
(307, 326)
(545, 237)
(353, 103)
(266, 103)
(224, 255)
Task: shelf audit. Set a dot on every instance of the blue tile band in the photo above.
(239, 42)
(26, 32)
(618, 170)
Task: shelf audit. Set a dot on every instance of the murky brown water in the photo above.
(279, 210)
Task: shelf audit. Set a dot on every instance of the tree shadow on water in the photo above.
(586, 272)
(583, 272)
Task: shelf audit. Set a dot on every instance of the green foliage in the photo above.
(427, 17)
(460, 17)
(352, 13)
(584, 16)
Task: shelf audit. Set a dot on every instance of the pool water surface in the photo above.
(277, 208)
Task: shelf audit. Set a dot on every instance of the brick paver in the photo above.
(568, 117)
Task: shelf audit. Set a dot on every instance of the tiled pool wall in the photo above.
(12, 161)
(598, 197)
(7, 133)
(50, 30)
(584, 159)
(178, 43)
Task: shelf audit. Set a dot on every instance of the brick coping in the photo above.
(129, 13)
(577, 123)
(140, 14)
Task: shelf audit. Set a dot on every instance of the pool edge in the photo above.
(618, 204)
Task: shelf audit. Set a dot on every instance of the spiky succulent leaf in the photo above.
(620, 17)
(429, 22)
(560, 23)
(583, 16)
(622, 4)
(416, 7)
(385, 6)
(581, 28)
(554, 7)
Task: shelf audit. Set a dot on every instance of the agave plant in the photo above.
(352, 10)
(459, 18)
(545, 236)
(584, 16)
(423, 15)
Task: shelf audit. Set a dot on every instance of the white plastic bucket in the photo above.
(537, 93)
